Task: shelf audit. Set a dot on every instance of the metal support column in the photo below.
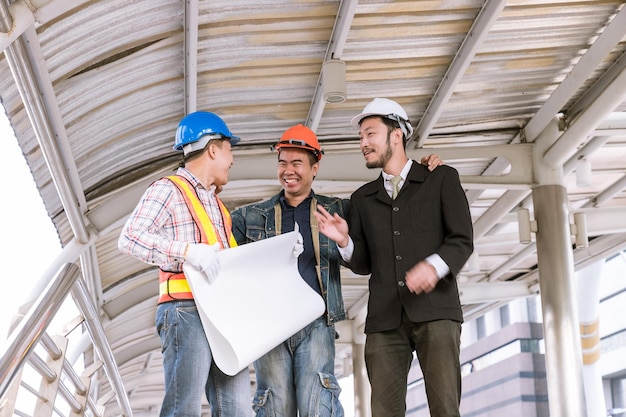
(588, 289)
(362, 393)
(566, 396)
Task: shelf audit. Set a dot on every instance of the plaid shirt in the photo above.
(158, 230)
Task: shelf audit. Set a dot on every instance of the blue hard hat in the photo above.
(198, 124)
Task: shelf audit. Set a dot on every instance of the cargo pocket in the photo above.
(326, 402)
(262, 404)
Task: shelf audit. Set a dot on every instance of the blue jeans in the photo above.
(190, 371)
(298, 376)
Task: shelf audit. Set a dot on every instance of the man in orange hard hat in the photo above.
(297, 377)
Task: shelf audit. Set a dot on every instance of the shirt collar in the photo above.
(185, 173)
(404, 173)
(285, 204)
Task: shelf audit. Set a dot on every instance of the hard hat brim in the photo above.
(202, 142)
(356, 120)
(318, 153)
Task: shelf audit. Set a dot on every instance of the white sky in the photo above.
(29, 241)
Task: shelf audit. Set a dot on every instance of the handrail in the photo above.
(96, 331)
(25, 337)
(30, 331)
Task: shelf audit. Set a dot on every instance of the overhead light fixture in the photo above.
(334, 81)
(583, 172)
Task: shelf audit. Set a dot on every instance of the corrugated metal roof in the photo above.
(111, 79)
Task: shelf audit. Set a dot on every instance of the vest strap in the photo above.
(174, 285)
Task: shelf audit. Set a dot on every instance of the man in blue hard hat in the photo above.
(181, 219)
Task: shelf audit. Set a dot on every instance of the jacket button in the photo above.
(398, 258)
(401, 284)
(396, 209)
(396, 233)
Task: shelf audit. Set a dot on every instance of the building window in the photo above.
(481, 330)
(533, 309)
(503, 353)
(618, 397)
(505, 316)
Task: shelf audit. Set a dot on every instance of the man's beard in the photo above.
(384, 158)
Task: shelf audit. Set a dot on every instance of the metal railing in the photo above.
(58, 377)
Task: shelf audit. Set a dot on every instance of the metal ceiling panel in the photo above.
(100, 86)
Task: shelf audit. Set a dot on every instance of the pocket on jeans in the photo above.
(328, 404)
(162, 327)
(262, 403)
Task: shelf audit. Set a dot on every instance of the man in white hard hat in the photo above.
(411, 230)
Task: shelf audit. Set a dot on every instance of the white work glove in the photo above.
(204, 258)
(298, 248)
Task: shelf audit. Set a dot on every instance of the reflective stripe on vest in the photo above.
(173, 285)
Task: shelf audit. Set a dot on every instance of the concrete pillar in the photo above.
(588, 290)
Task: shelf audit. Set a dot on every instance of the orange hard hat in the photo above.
(302, 137)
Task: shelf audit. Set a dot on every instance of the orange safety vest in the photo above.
(174, 285)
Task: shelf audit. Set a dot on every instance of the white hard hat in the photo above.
(389, 109)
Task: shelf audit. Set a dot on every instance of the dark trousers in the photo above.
(388, 357)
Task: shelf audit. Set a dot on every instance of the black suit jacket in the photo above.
(429, 215)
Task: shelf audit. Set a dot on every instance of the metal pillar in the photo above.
(566, 396)
(588, 289)
(362, 392)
